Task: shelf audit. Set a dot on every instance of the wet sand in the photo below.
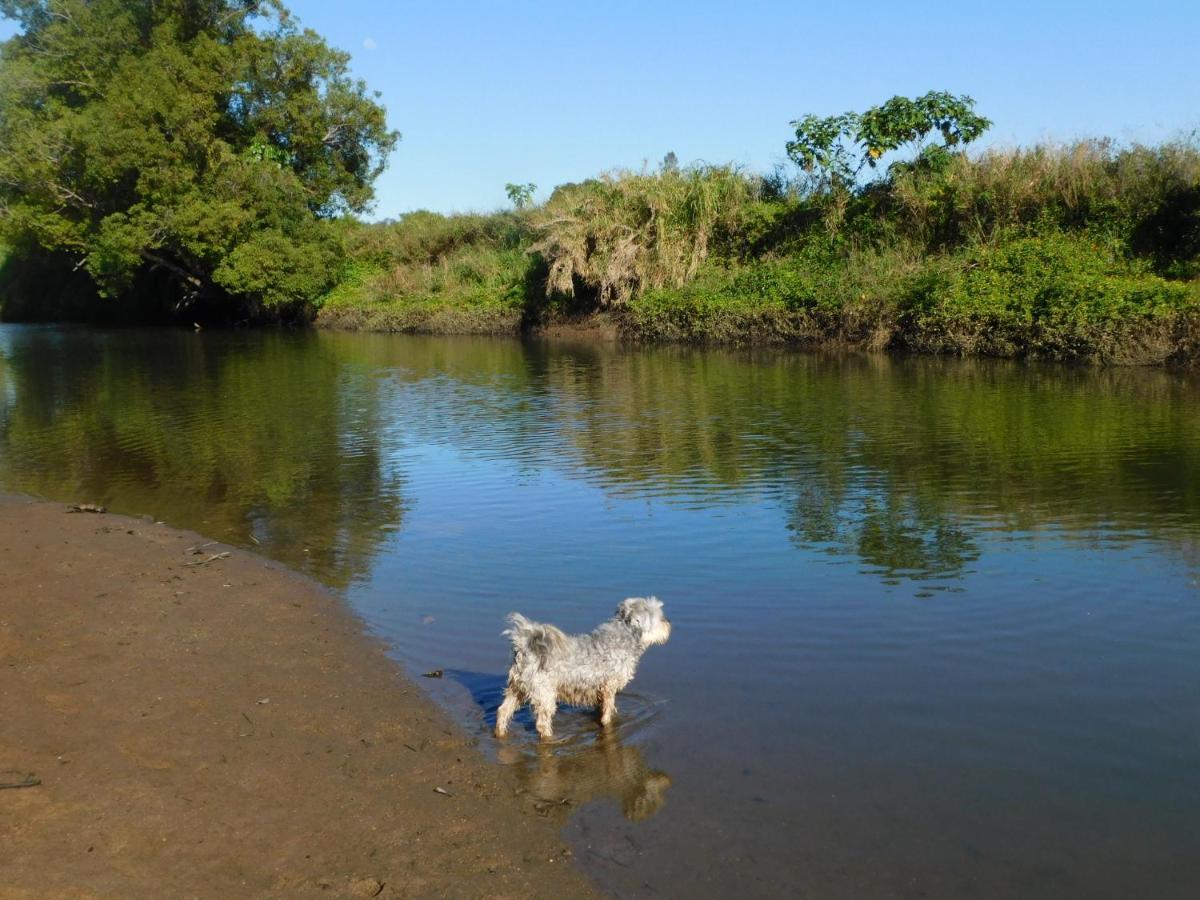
(217, 726)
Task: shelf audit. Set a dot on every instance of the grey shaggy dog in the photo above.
(550, 667)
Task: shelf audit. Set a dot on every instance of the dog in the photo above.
(550, 667)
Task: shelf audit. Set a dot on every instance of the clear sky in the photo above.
(486, 93)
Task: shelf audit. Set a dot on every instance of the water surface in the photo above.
(936, 622)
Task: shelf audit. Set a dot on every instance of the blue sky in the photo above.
(486, 93)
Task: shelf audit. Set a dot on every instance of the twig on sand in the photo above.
(199, 547)
(86, 508)
(442, 791)
(215, 556)
(542, 805)
(22, 780)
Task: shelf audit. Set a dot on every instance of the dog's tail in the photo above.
(533, 639)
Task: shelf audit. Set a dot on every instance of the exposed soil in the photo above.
(205, 725)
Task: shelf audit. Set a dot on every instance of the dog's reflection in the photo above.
(592, 764)
(559, 781)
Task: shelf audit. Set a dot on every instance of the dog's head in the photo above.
(645, 616)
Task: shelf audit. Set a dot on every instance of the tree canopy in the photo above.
(836, 149)
(206, 142)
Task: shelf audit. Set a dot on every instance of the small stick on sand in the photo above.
(23, 780)
(201, 562)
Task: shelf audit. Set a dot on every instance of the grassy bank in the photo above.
(1087, 251)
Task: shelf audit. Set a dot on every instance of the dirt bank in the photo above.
(216, 726)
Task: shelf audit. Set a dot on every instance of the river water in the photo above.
(936, 621)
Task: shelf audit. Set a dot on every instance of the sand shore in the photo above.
(205, 725)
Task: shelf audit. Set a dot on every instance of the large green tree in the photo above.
(204, 143)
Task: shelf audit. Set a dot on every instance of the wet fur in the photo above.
(550, 667)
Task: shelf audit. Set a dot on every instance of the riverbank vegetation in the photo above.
(225, 183)
(1082, 251)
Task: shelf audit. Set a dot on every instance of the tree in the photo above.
(836, 149)
(520, 195)
(210, 141)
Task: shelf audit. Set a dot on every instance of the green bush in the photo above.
(428, 259)
(1058, 294)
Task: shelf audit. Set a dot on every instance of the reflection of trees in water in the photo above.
(897, 461)
(559, 782)
(892, 535)
(894, 460)
(233, 435)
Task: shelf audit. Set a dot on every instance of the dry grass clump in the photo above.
(627, 232)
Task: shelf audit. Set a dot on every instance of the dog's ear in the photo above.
(628, 609)
(637, 612)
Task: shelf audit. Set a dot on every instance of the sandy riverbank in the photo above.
(224, 728)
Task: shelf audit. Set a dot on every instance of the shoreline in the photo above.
(1173, 345)
(206, 724)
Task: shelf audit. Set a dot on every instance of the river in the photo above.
(935, 621)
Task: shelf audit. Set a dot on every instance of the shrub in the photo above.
(627, 232)
(1059, 295)
(471, 260)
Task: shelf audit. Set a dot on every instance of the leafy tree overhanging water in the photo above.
(198, 149)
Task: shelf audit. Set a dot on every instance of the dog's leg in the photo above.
(505, 713)
(543, 709)
(608, 706)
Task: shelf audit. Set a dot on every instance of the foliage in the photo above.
(1058, 295)
(209, 141)
(625, 232)
(426, 261)
(1148, 198)
(1081, 252)
(836, 149)
(520, 195)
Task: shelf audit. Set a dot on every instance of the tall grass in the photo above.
(627, 232)
(1147, 197)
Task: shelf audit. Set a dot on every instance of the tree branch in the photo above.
(175, 268)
